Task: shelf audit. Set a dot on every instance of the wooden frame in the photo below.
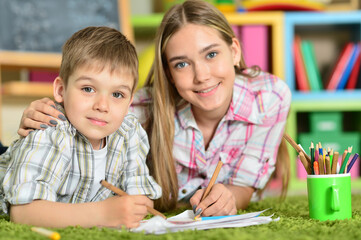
(276, 21)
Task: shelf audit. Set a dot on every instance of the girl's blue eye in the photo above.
(87, 89)
(118, 95)
(181, 65)
(212, 55)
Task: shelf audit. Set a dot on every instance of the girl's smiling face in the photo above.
(201, 65)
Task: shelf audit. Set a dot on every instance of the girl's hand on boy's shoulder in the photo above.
(125, 211)
(39, 115)
(220, 201)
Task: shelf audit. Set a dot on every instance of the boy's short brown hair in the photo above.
(99, 47)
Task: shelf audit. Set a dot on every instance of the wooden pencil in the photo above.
(211, 183)
(328, 165)
(315, 168)
(320, 148)
(352, 161)
(305, 163)
(334, 163)
(331, 156)
(295, 146)
(321, 165)
(312, 153)
(47, 233)
(122, 193)
(345, 156)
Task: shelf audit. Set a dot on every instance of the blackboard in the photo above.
(44, 25)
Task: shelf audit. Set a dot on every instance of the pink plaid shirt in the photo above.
(246, 139)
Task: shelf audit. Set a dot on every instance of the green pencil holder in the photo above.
(329, 196)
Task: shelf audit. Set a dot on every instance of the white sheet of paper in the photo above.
(185, 221)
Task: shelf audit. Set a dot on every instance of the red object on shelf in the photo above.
(340, 67)
(301, 75)
(42, 76)
(352, 81)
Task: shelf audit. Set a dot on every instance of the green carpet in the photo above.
(294, 223)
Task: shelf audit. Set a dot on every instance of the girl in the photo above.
(201, 104)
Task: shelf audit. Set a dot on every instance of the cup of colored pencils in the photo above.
(327, 161)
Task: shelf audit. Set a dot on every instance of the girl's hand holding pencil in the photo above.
(215, 199)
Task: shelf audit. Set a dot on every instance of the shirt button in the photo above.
(184, 191)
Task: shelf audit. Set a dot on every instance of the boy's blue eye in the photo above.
(87, 89)
(118, 95)
(181, 65)
(212, 55)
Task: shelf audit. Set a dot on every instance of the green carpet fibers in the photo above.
(294, 223)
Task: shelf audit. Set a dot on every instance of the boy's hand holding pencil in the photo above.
(119, 192)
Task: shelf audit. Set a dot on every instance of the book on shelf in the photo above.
(254, 39)
(339, 67)
(42, 76)
(300, 70)
(313, 73)
(351, 83)
(349, 66)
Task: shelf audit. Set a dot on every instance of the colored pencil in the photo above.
(312, 153)
(334, 163)
(122, 193)
(352, 162)
(320, 148)
(328, 166)
(345, 160)
(315, 168)
(331, 156)
(321, 165)
(305, 163)
(295, 146)
(47, 233)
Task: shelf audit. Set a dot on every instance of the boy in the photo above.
(51, 177)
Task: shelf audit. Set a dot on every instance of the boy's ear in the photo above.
(131, 100)
(58, 89)
(236, 50)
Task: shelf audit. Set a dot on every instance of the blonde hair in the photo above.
(99, 47)
(165, 98)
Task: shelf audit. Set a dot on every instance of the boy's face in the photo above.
(95, 102)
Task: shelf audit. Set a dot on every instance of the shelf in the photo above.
(146, 21)
(311, 20)
(275, 20)
(13, 59)
(336, 96)
(27, 89)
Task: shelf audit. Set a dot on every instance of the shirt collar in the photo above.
(185, 117)
(247, 104)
